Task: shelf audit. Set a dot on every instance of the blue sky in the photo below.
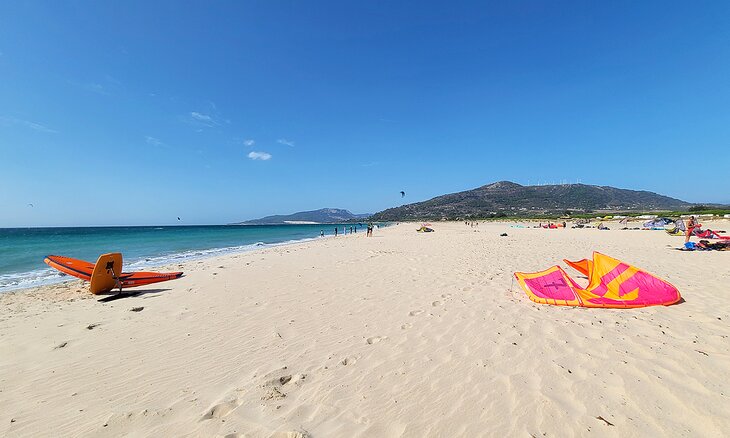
(140, 112)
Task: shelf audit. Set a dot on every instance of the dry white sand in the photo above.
(403, 334)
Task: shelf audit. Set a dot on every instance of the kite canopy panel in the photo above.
(709, 234)
(611, 284)
(584, 266)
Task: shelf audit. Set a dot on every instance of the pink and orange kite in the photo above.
(611, 283)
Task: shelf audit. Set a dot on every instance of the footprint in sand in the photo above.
(293, 378)
(223, 409)
(415, 312)
(376, 339)
(406, 326)
(273, 388)
(446, 296)
(348, 361)
(436, 303)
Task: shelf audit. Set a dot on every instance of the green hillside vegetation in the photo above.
(506, 199)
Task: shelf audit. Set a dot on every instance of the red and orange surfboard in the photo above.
(107, 274)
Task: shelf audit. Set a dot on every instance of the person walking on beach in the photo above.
(350, 229)
(691, 225)
(335, 231)
(321, 233)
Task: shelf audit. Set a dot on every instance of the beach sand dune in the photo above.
(402, 334)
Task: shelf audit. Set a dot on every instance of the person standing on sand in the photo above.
(335, 231)
(321, 233)
(691, 225)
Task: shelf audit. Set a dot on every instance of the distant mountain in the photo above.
(506, 198)
(321, 216)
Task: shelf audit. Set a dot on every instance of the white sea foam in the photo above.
(22, 280)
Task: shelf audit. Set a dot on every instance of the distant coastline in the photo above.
(319, 217)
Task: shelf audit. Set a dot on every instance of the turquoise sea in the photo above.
(22, 249)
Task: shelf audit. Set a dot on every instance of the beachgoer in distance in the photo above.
(321, 233)
(691, 225)
(335, 231)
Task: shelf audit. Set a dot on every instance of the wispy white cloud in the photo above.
(285, 142)
(8, 121)
(152, 141)
(38, 127)
(209, 117)
(201, 117)
(249, 142)
(206, 120)
(97, 88)
(263, 156)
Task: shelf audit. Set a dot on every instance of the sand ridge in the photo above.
(402, 334)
